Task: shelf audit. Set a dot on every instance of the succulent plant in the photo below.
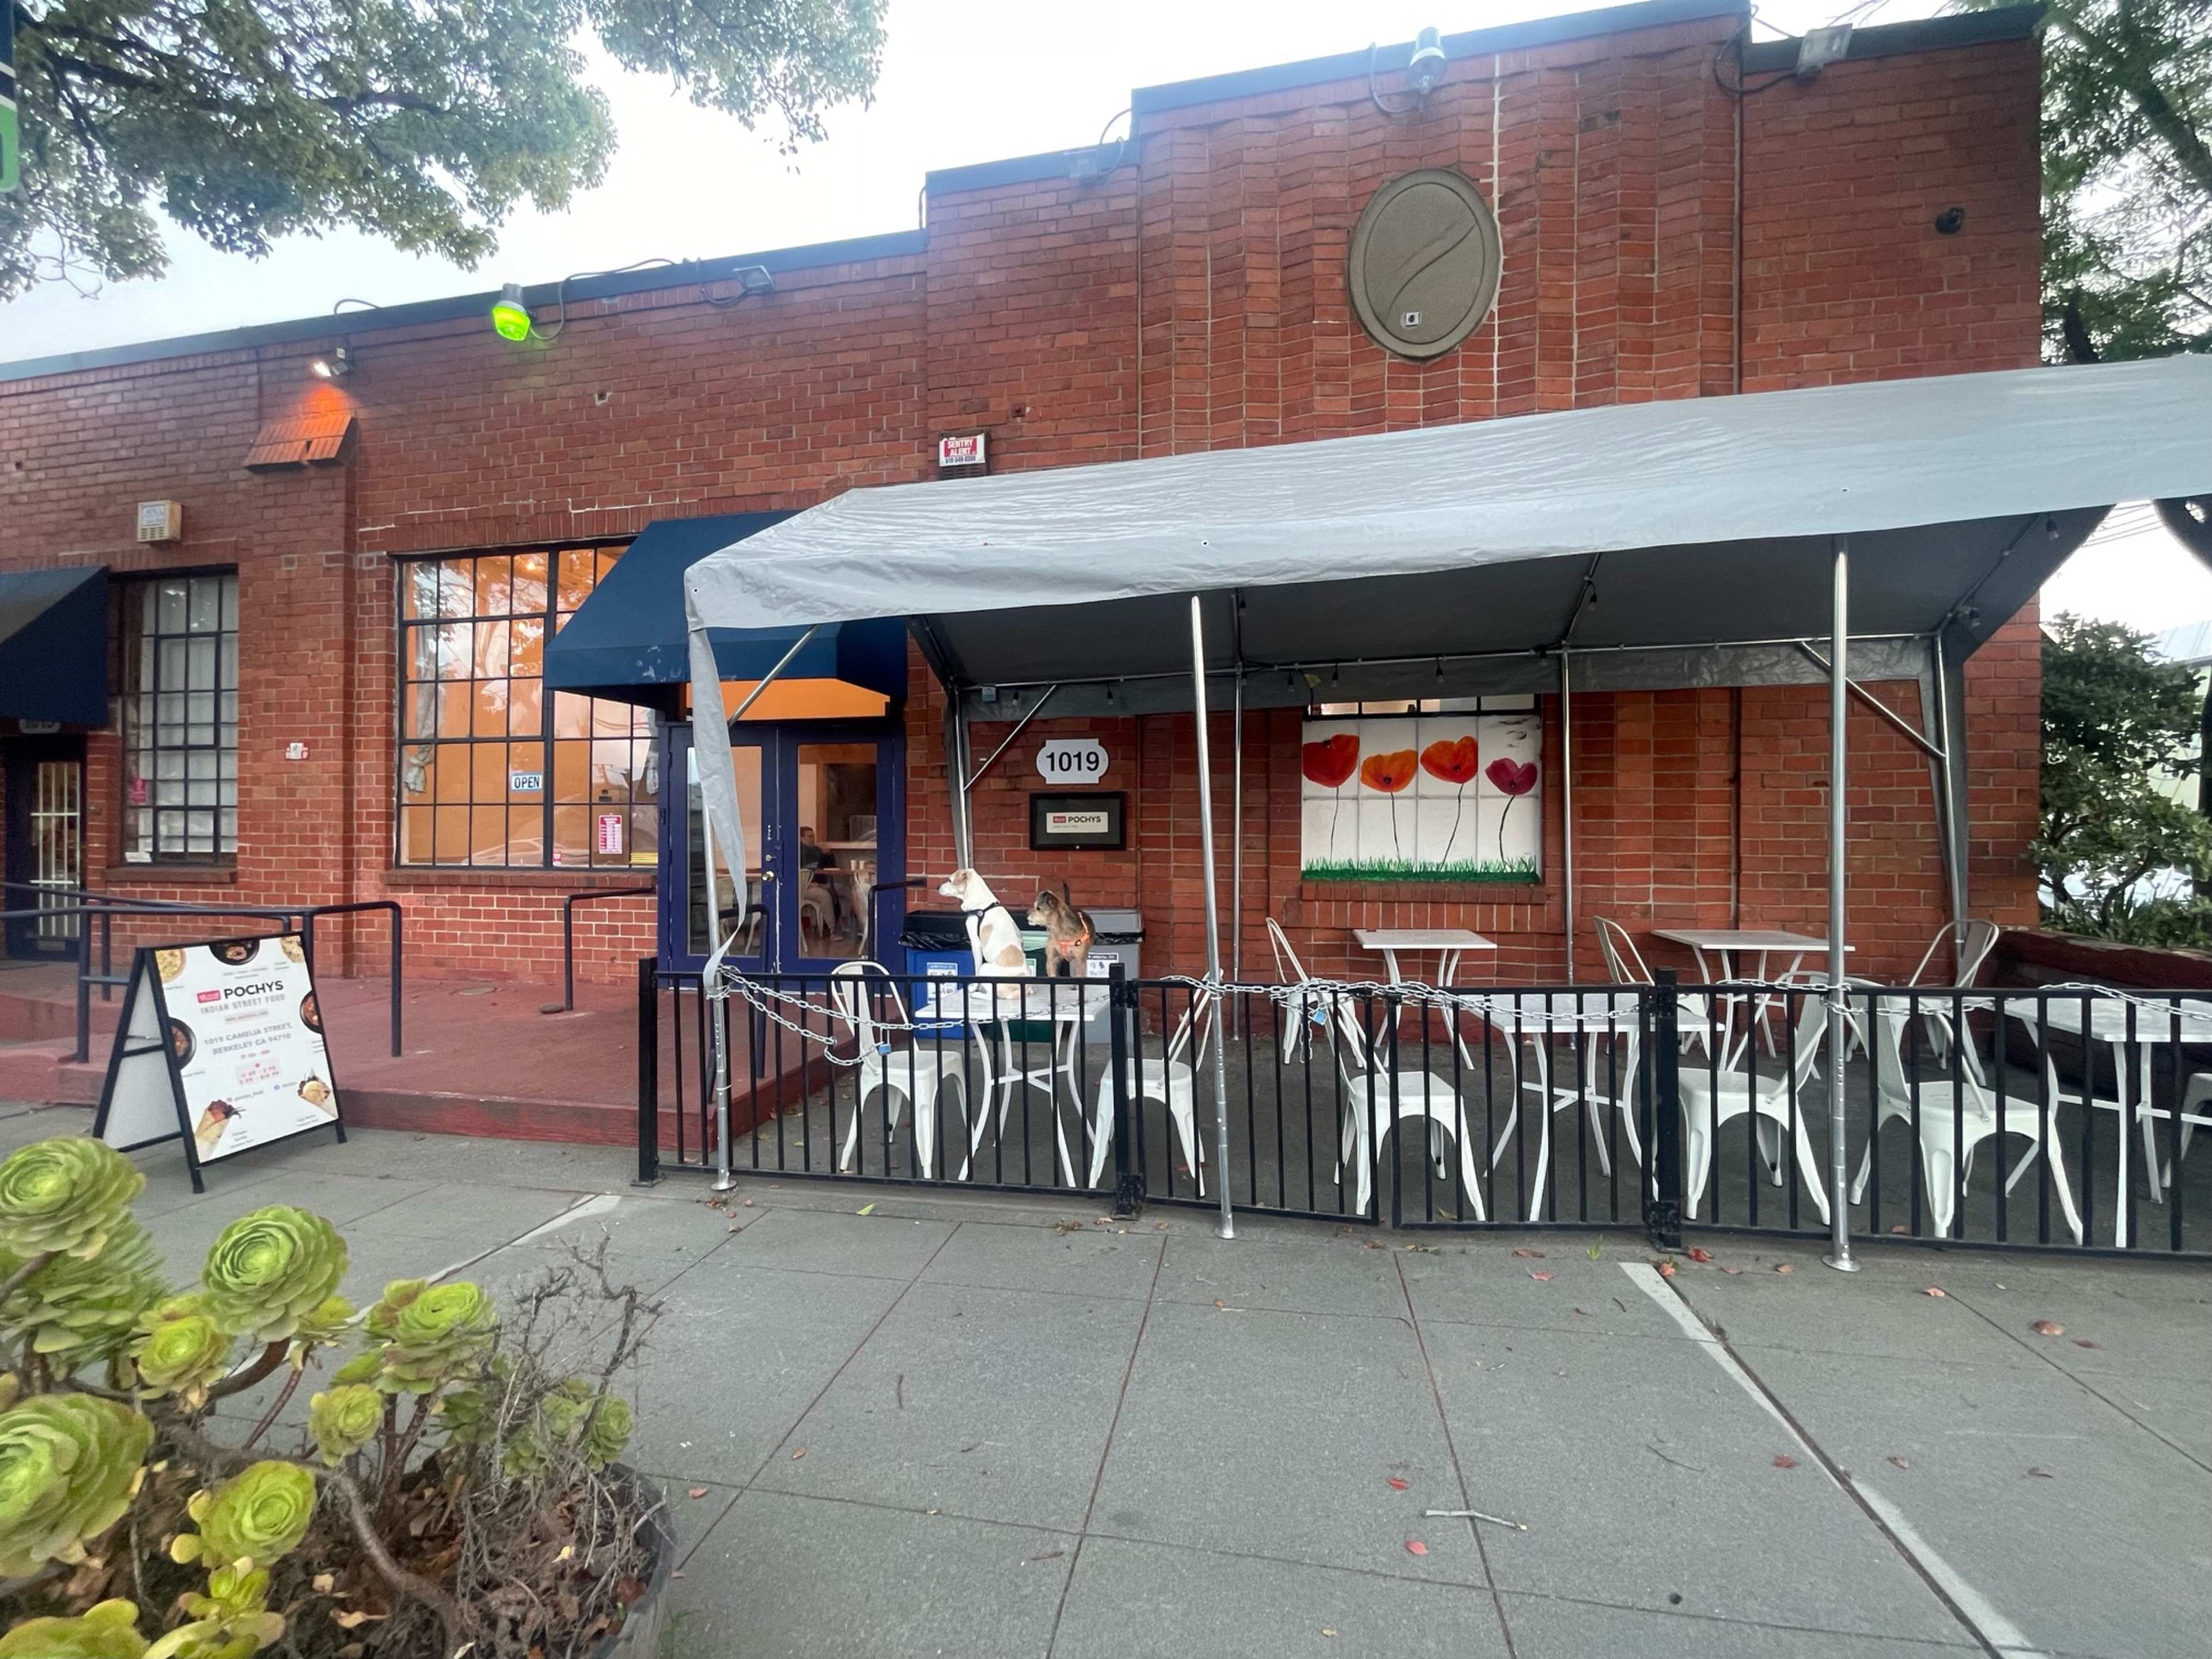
(257, 1515)
(231, 1621)
(433, 1334)
(270, 1271)
(108, 1630)
(344, 1418)
(364, 1367)
(76, 1309)
(181, 1351)
(70, 1465)
(67, 1194)
(565, 1409)
(322, 1326)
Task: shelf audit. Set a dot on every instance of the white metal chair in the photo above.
(1626, 964)
(1979, 938)
(1713, 1099)
(921, 1071)
(1169, 1078)
(1410, 1094)
(1301, 1011)
(1967, 1113)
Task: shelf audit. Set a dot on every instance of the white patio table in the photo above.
(2109, 1024)
(1595, 1018)
(1730, 944)
(1065, 1004)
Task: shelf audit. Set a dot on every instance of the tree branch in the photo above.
(238, 1382)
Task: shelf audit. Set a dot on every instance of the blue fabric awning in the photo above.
(626, 641)
(53, 645)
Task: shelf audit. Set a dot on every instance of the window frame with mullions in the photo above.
(137, 647)
(523, 819)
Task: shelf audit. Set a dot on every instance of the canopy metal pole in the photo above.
(717, 993)
(1840, 1214)
(1567, 793)
(1228, 1228)
(1950, 800)
(1236, 833)
(955, 759)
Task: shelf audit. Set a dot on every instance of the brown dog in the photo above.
(1068, 933)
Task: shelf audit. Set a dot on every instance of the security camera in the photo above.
(1426, 72)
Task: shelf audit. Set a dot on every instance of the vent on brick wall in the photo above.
(314, 440)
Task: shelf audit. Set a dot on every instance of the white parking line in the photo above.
(1999, 1633)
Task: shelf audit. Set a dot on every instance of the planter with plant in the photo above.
(454, 1489)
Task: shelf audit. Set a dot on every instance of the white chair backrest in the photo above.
(1981, 937)
(1622, 959)
(1812, 1022)
(852, 997)
(1299, 1011)
(1198, 1013)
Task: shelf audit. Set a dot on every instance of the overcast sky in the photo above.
(969, 82)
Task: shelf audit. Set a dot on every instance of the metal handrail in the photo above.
(569, 937)
(299, 918)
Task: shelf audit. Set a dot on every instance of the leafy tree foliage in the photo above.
(423, 121)
(2127, 176)
(2118, 726)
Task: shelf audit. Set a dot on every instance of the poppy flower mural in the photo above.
(1330, 763)
(1424, 804)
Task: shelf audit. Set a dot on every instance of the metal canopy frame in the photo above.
(1430, 556)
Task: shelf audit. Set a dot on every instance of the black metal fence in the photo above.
(2059, 1117)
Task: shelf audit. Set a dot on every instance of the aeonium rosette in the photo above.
(67, 1194)
(70, 1465)
(257, 1515)
(107, 1630)
(270, 1273)
(434, 1333)
(344, 1418)
(77, 1310)
(180, 1352)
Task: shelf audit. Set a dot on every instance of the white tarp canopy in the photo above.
(1454, 556)
(1679, 481)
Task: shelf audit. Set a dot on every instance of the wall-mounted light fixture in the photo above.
(510, 317)
(1426, 70)
(755, 279)
(333, 365)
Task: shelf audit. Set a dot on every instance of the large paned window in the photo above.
(493, 769)
(180, 649)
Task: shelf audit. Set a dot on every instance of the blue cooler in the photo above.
(936, 946)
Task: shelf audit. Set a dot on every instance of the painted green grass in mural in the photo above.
(1510, 870)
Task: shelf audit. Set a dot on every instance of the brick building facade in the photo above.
(1679, 219)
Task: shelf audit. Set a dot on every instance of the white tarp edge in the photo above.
(1830, 461)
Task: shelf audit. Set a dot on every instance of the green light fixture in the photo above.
(510, 317)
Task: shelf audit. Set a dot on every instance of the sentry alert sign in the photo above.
(966, 450)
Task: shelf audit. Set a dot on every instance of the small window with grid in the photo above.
(494, 771)
(180, 719)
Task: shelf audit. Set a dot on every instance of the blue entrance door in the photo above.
(822, 806)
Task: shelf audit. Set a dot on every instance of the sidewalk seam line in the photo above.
(1996, 1634)
(2095, 1393)
(1451, 1447)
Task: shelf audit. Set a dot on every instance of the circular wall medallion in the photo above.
(1424, 265)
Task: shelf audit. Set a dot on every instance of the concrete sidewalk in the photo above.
(963, 1425)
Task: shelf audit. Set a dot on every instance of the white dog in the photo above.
(994, 939)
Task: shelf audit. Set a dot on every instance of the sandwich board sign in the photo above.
(220, 1046)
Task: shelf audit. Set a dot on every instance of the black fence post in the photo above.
(1663, 1204)
(1128, 1168)
(84, 991)
(648, 1072)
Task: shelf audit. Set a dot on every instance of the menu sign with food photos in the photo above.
(221, 1044)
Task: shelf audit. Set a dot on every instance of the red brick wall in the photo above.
(1193, 299)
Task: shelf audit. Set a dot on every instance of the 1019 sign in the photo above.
(1071, 760)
